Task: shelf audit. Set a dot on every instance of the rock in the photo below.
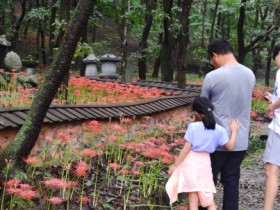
(12, 61)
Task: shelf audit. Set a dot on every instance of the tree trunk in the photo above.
(156, 68)
(143, 45)
(52, 28)
(124, 25)
(214, 20)
(25, 139)
(268, 62)
(166, 61)
(183, 38)
(16, 25)
(240, 32)
(203, 12)
(65, 15)
(157, 61)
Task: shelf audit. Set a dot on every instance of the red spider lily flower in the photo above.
(94, 123)
(100, 145)
(55, 200)
(117, 127)
(77, 93)
(126, 120)
(130, 158)
(114, 166)
(122, 146)
(159, 125)
(182, 131)
(70, 131)
(164, 147)
(72, 184)
(125, 171)
(13, 191)
(113, 138)
(2, 70)
(139, 133)
(25, 187)
(55, 183)
(166, 160)
(138, 163)
(12, 183)
(29, 194)
(30, 160)
(89, 152)
(85, 200)
(81, 169)
(179, 141)
(23, 73)
(132, 145)
(253, 114)
(55, 101)
(259, 118)
(63, 137)
(149, 154)
(136, 173)
(144, 125)
(49, 138)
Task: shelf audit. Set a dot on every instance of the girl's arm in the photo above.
(234, 125)
(180, 158)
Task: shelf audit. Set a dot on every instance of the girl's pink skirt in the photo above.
(194, 174)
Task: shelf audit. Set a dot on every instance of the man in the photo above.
(230, 88)
(271, 154)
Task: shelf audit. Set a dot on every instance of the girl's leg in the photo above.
(212, 207)
(271, 185)
(193, 200)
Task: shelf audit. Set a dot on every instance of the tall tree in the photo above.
(65, 7)
(16, 23)
(255, 43)
(26, 138)
(214, 20)
(122, 24)
(53, 9)
(142, 66)
(183, 38)
(166, 60)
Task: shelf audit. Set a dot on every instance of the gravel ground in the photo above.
(251, 185)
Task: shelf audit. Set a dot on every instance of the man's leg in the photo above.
(230, 175)
(218, 159)
(271, 185)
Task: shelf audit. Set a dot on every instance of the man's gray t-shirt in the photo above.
(230, 88)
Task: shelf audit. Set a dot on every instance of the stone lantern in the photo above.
(4, 43)
(109, 66)
(91, 68)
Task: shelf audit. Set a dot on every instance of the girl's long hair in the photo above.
(205, 108)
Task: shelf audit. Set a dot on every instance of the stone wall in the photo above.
(51, 130)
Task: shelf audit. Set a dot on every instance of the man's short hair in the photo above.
(276, 50)
(219, 47)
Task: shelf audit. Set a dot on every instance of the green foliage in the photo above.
(255, 145)
(259, 105)
(39, 13)
(83, 49)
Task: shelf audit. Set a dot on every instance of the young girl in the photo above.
(192, 171)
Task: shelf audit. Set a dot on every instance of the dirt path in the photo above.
(251, 185)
